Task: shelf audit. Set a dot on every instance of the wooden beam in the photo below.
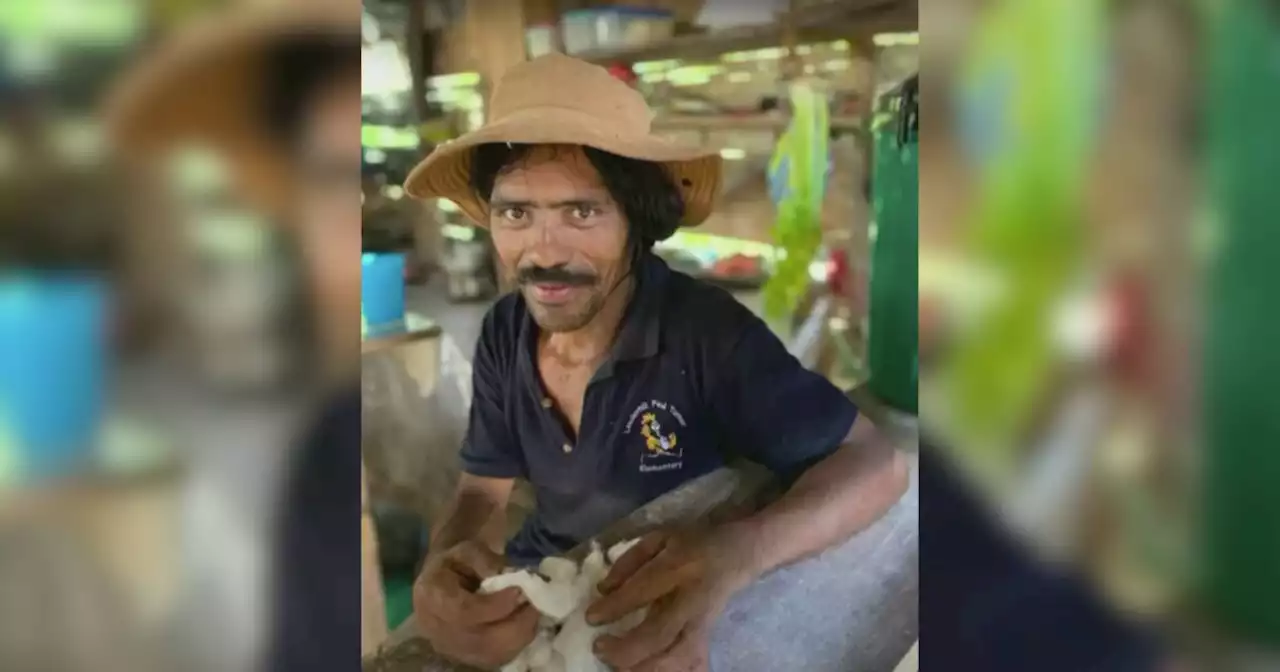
(745, 122)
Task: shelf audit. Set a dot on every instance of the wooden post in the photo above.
(540, 12)
(373, 610)
(418, 74)
(495, 32)
(863, 60)
(792, 65)
(862, 57)
(495, 38)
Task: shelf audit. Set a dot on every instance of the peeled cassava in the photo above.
(561, 591)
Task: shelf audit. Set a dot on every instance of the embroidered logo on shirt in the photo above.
(654, 440)
(656, 422)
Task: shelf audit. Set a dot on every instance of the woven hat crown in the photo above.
(558, 81)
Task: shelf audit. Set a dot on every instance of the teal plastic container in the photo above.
(52, 373)
(382, 293)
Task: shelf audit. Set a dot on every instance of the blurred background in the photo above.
(798, 97)
(1093, 260)
(154, 375)
(1094, 347)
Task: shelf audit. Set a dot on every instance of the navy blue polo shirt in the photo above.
(694, 379)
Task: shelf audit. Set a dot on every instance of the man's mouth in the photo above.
(552, 292)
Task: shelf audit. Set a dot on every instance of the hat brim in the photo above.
(445, 173)
(202, 86)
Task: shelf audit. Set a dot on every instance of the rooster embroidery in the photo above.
(653, 438)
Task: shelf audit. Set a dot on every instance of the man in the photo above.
(275, 89)
(608, 379)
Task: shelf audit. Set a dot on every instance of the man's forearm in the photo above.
(829, 503)
(472, 516)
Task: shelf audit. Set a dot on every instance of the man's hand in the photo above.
(480, 630)
(685, 579)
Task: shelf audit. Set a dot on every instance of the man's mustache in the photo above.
(559, 274)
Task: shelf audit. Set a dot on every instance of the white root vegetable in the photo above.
(620, 549)
(558, 570)
(562, 598)
(555, 600)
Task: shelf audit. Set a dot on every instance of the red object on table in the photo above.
(623, 72)
(838, 273)
(737, 266)
(1130, 341)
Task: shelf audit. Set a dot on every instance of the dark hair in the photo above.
(295, 70)
(643, 189)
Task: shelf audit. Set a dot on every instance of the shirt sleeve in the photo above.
(774, 411)
(489, 448)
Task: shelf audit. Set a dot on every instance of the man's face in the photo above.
(559, 235)
(329, 208)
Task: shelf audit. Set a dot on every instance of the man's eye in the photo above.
(513, 213)
(585, 212)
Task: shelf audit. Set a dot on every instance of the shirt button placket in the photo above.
(546, 405)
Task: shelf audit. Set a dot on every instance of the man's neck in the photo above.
(591, 342)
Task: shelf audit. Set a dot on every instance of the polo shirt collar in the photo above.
(639, 336)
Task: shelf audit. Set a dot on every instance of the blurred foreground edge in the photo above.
(987, 606)
(200, 85)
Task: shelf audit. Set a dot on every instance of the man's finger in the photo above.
(480, 560)
(481, 609)
(654, 636)
(451, 641)
(515, 632)
(445, 595)
(683, 656)
(650, 582)
(436, 591)
(487, 645)
(636, 557)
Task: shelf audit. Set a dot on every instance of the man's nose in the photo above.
(545, 256)
(545, 249)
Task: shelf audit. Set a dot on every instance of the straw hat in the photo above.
(555, 99)
(203, 83)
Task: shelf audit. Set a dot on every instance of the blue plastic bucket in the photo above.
(382, 293)
(52, 372)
